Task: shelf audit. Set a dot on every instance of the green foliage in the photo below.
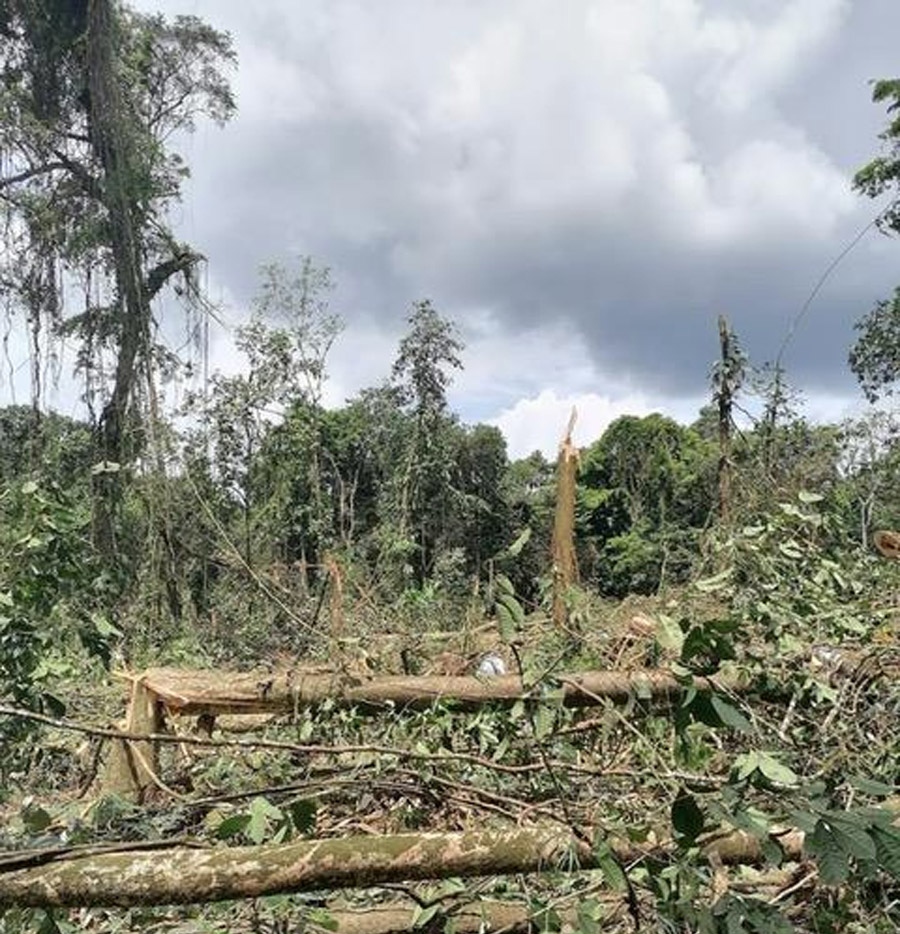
(57, 448)
(264, 822)
(875, 357)
(793, 578)
(50, 595)
(882, 174)
(645, 489)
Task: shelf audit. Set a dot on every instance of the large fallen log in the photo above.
(165, 875)
(213, 693)
(219, 692)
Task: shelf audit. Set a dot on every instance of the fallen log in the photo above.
(214, 693)
(164, 875)
(221, 692)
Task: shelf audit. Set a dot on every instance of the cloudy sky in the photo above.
(582, 185)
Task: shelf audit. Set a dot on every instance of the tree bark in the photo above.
(725, 403)
(160, 874)
(219, 692)
(565, 563)
(112, 139)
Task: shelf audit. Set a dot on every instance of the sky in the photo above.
(583, 187)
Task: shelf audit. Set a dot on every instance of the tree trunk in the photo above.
(725, 403)
(161, 874)
(112, 139)
(112, 142)
(565, 564)
(219, 692)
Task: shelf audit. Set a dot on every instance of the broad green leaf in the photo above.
(870, 786)
(776, 771)
(513, 607)
(588, 920)
(610, 867)
(303, 815)
(423, 915)
(853, 838)
(834, 864)
(232, 826)
(544, 721)
(322, 918)
(516, 547)
(261, 814)
(35, 818)
(806, 497)
(506, 623)
(753, 821)
(669, 634)
(772, 851)
(887, 847)
(730, 715)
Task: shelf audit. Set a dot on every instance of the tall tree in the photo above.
(422, 372)
(875, 357)
(91, 94)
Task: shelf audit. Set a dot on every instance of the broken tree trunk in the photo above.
(565, 565)
(221, 692)
(132, 766)
(166, 875)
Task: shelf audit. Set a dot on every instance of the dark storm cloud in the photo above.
(627, 170)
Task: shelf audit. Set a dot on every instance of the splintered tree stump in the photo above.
(565, 566)
(133, 765)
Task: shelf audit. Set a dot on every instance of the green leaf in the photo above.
(610, 867)
(834, 865)
(669, 635)
(869, 786)
(887, 848)
(262, 813)
(687, 818)
(853, 838)
(513, 607)
(544, 721)
(232, 826)
(303, 815)
(776, 771)
(753, 821)
(35, 818)
(590, 914)
(745, 765)
(323, 918)
(730, 715)
(516, 547)
(806, 497)
(423, 915)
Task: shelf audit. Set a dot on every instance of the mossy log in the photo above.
(161, 875)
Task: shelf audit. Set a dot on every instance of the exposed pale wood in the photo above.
(132, 766)
(565, 565)
(217, 692)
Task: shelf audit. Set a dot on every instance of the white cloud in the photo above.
(759, 58)
(538, 423)
(566, 179)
